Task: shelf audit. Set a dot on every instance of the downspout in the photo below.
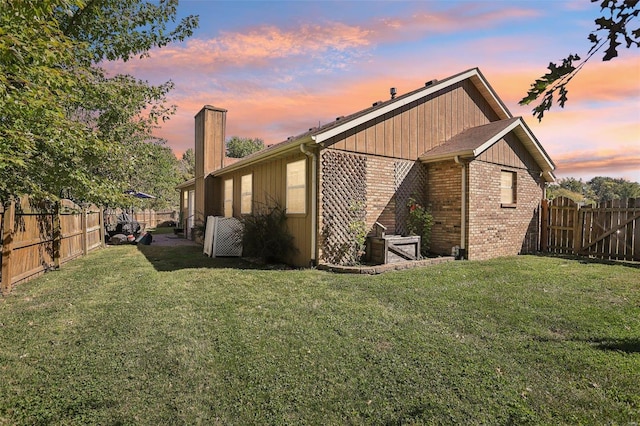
(463, 208)
(314, 200)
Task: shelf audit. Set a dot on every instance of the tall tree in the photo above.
(65, 124)
(618, 24)
(607, 188)
(238, 147)
(188, 164)
(156, 172)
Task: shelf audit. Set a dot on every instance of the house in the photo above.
(452, 145)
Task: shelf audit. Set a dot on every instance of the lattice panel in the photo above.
(410, 180)
(227, 239)
(344, 186)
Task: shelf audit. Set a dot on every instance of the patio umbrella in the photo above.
(138, 194)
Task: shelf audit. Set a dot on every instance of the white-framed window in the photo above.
(296, 200)
(228, 198)
(508, 187)
(246, 193)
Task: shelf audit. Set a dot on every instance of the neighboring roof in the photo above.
(342, 124)
(138, 194)
(474, 141)
(186, 184)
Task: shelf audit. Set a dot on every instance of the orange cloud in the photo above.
(261, 75)
(598, 81)
(611, 164)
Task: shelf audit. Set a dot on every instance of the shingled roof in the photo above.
(475, 140)
(342, 124)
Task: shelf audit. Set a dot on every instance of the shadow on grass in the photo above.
(167, 259)
(629, 346)
(585, 260)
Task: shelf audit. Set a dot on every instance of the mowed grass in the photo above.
(161, 335)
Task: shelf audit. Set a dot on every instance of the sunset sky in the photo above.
(281, 67)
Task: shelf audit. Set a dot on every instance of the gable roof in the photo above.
(475, 140)
(474, 74)
(320, 134)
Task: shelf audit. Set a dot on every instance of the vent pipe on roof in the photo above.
(393, 92)
(429, 83)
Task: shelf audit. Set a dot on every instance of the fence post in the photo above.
(544, 226)
(7, 243)
(85, 235)
(101, 222)
(578, 226)
(57, 235)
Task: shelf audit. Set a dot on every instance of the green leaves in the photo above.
(555, 80)
(64, 124)
(238, 147)
(122, 29)
(615, 25)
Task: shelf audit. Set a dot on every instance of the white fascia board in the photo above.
(537, 144)
(448, 156)
(482, 148)
(518, 123)
(321, 137)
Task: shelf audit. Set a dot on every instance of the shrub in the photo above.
(265, 235)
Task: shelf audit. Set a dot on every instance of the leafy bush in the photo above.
(265, 235)
(419, 223)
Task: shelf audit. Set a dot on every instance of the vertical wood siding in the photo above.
(419, 126)
(509, 151)
(269, 187)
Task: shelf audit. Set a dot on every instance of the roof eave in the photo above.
(468, 153)
(527, 138)
(186, 183)
(267, 153)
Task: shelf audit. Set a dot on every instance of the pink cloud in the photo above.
(253, 47)
(260, 75)
(593, 163)
(334, 43)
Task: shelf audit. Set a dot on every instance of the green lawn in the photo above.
(158, 335)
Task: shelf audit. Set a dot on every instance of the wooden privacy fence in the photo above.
(39, 237)
(147, 218)
(610, 230)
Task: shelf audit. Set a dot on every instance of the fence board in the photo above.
(610, 230)
(39, 237)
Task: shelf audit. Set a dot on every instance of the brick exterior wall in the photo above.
(493, 230)
(444, 188)
(381, 203)
(388, 182)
